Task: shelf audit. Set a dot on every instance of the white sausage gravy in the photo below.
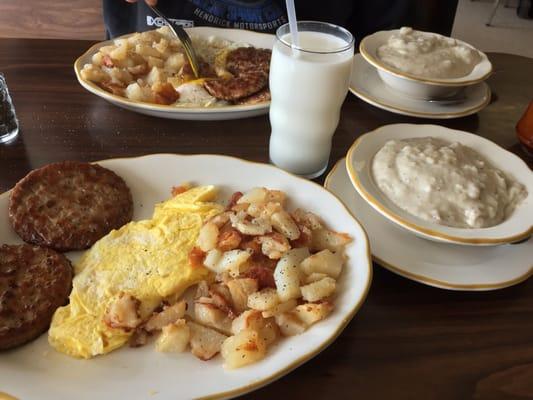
(445, 183)
(428, 55)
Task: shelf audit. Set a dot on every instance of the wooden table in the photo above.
(408, 341)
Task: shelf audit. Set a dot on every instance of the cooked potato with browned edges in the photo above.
(274, 274)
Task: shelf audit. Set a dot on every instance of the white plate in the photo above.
(370, 45)
(517, 227)
(441, 265)
(261, 40)
(368, 86)
(37, 371)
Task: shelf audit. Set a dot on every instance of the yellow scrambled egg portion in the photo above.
(147, 259)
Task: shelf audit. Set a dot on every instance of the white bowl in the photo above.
(517, 227)
(415, 86)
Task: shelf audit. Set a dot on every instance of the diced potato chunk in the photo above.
(263, 300)
(210, 315)
(162, 45)
(270, 332)
(262, 210)
(326, 239)
(156, 62)
(120, 52)
(212, 259)
(314, 276)
(287, 274)
(310, 313)
(134, 92)
(146, 51)
(205, 342)
(229, 261)
(107, 49)
(253, 320)
(250, 319)
(242, 349)
(168, 316)
(93, 73)
(232, 260)
(318, 290)
(274, 245)
(174, 337)
(208, 236)
(254, 195)
(97, 58)
(283, 223)
(277, 196)
(174, 63)
(324, 262)
(280, 308)
(120, 76)
(240, 289)
(156, 75)
(307, 218)
(290, 324)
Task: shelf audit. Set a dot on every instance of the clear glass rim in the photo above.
(349, 43)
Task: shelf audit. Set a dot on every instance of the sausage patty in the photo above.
(250, 68)
(34, 282)
(236, 88)
(260, 97)
(244, 60)
(69, 205)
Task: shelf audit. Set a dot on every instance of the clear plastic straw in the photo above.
(291, 12)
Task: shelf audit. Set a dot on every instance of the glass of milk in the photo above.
(308, 85)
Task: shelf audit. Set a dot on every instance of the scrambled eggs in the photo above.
(147, 259)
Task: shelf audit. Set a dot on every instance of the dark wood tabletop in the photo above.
(408, 341)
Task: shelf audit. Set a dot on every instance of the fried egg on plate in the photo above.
(147, 259)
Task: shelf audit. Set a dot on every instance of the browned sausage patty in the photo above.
(256, 98)
(250, 67)
(69, 205)
(244, 60)
(236, 88)
(34, 282)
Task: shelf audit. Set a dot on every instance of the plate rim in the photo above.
(461, 81)
(96, 90)
(413, 226)
(345, 321)
(420, 114)
(399, 270)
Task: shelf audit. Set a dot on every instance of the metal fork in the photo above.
(185, 40)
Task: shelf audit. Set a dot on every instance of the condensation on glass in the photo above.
(9, 125)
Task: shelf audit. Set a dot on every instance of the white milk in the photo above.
(307, 93)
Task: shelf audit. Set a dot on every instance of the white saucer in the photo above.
(368, 86)
(441, 265)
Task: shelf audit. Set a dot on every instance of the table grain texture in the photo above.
(408, 341)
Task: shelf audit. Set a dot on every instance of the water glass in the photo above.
(9, 125)
(308, 84)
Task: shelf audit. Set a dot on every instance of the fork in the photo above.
(185, 40)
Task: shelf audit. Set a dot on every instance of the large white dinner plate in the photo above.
(37, 371)
(260, 40)
(368, 86)
(516, 227)
(447, 266)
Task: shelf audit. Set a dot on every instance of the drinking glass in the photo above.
(308, 84)
(9, 126)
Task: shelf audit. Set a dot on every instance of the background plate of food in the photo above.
(148, 73)
(270, 278)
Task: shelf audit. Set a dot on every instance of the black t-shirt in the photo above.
(360, 17)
